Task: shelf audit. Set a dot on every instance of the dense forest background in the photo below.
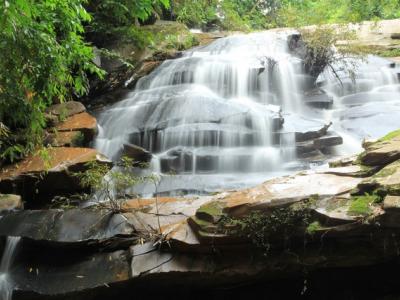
(46, 52)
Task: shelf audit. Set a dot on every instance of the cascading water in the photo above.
(6, 283)
(367, 103)
(212, 111)
(214, 116)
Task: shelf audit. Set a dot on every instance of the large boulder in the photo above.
(48, 172)
(136, 153)
(66, 109)
(384, 151)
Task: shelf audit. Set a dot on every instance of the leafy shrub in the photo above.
(108, 184)
(48, 61)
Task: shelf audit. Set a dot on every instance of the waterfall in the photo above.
(6, 283)
(212, 108)
(227, 114)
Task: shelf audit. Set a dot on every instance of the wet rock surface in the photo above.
(70, 227)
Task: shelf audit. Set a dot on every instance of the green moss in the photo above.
(390, 135)
(212, 208)
(78, 140)
(361, 205)
(389, 53)
(313, 227)
(385, 172)
(169, 35)
(335, 164)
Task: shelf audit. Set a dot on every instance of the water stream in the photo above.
(226, 115)
(6, 282)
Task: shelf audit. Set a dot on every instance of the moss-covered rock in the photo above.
(385, 151)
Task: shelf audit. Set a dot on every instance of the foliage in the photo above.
(110, 185)
(361, 205)
(333, 47)
(43, 58)
(261, 14)
(78, 140)
(300, 13)
(313, 227)
(123, 12)
(114, 19)
(389, 53)
(280, 223)
(45, 156)
(196, 14)
(228, 14)
(390, 136)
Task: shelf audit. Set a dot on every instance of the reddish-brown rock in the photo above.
(47, 173)
(83, 122)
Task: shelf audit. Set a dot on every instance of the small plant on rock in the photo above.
(264, 229)
(108, 185)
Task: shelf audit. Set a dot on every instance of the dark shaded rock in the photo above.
(310, 135)
(318, 99)
(38, 276)
(138, 154)
(70, 227)
(329, 140)
(395, 36)
(305, 147)
(391, 217)
(39, 177)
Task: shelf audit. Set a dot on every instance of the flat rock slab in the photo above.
(59, 159)
(148, 214)
(350, 171)
(82, 122)
(39, 177)
(66, 139)
(383, 152)
(74, 226)
(289, 189)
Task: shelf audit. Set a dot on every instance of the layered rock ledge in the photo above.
(344, 216)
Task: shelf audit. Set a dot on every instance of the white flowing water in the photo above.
(214, 116)
(6, 283)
